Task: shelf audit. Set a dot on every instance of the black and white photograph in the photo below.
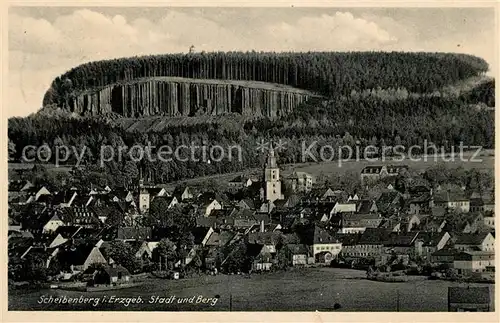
(250, 159)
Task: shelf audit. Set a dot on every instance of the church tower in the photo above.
(143, 198)
(272, 188)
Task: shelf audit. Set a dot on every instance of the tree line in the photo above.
(327, 73)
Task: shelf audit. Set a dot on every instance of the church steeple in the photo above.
(272, 185)
(271, 158)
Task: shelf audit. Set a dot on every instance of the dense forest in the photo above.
(326, 73)
(354, 121)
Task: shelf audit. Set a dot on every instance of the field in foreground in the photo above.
(296, 290)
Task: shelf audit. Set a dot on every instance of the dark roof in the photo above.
(375, 236)
(315, 235)
(476, 202)
(67, 231)
(469, 295)
(430, 238)
(136, 233)
(199, 234)
(348, 239)
(364, 206)
(206, 221)
(388, 197)
(221, 238)
(404, 239)
(120, 193)
(264, 237)
(113, 271)
(75, 255)
(253, 250)
(470, 238)
(248, 202)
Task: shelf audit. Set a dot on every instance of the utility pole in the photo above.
(397, 304)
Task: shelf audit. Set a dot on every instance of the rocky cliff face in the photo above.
(188, 97)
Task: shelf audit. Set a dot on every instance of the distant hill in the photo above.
(197, 84)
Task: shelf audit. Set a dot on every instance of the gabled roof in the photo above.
(75, 255)
(310, 235)
(431, 239)
(199, 234)
(364, 206)
(221, 238)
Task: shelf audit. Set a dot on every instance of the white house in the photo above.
(52, 225)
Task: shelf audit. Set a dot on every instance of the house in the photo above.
(390, 201)
(246, 203)
(421, 203)
(476, 205)
(323, 247)
(374, 173)
(63, 234)
(262, 259)
(482, 241)
(370, 244)
(220, 238)
(80, 258)
(469, 299)
(110, 275)
(183, 193)
(489, 220)
(452, 201)
(298, 254)
(134, 233)
(54, 223)
(443, 256)
(81, 216)
(427, 243)
(474, 261)
(401, 243)
(344, 207)
(366, 206)
(240, 182)
(122, 195)
(357, 223)
(349, 242)
(210, 206)
(299, 181)
(145, 251)
(322, 194)
(267, 239)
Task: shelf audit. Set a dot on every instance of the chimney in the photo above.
(262, 226)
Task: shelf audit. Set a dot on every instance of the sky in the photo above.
(45, 42)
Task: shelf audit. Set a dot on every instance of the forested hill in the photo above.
(326, 73)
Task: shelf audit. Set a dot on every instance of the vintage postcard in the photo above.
(319, 159)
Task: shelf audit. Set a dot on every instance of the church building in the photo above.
(272, 183)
